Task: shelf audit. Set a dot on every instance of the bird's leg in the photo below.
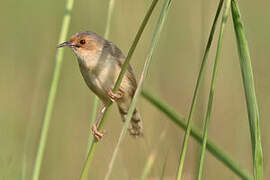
(114, 96)
(97, 134)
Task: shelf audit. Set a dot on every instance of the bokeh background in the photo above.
(29, 33)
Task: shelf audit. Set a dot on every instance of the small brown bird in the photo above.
(100, 63)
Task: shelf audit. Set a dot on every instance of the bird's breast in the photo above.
(99, 72)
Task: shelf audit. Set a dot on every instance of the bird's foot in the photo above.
(97, 134)
(114, 96)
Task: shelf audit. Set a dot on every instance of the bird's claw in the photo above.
(97, 134)
(114, 96)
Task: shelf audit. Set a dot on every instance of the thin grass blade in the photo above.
(195, 132)
(148, 165)
(212, 88)
(249, 87)
(95, 101)
(53, 90)
(24, 168)
(152, 157)
(164, 167)
(93, 142)
(196, 91)
(154, 42)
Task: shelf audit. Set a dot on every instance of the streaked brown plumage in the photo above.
(100, 63)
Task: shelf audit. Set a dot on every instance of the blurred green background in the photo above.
(29, 33)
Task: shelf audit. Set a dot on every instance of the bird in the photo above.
(100, 62)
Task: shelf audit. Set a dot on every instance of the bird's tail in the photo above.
(135, 128)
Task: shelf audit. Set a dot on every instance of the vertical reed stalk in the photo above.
(249, 87)
(164, 167)
(95, 101)
(152, 157)
(53, 90)
(93, 143)
(212, 88)
(195, 95)
(154, 42)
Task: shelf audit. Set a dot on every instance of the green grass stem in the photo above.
(196, 91)
(95, 101)
(196, 134)
(153, 45)
(92, 121)
(249, 87)
(213, 82)
(148, 165)
(93, 143)
(162, 174)
(53, 90)
(152, 157)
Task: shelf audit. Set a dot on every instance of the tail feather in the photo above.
(135, 128)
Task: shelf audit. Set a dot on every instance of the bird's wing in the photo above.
(117, 53)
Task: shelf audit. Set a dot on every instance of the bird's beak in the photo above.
(66, 44)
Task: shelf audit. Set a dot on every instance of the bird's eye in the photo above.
(82, 41)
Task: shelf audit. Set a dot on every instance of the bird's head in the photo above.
(84, 43)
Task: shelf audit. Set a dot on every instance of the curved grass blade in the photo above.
(164, 167)
(154, 42)
(53, 90)
(212, 88)
(93, 142)
(148, 165)
(152, 157)
(195, 95)
(251, 100)
(197, 135)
